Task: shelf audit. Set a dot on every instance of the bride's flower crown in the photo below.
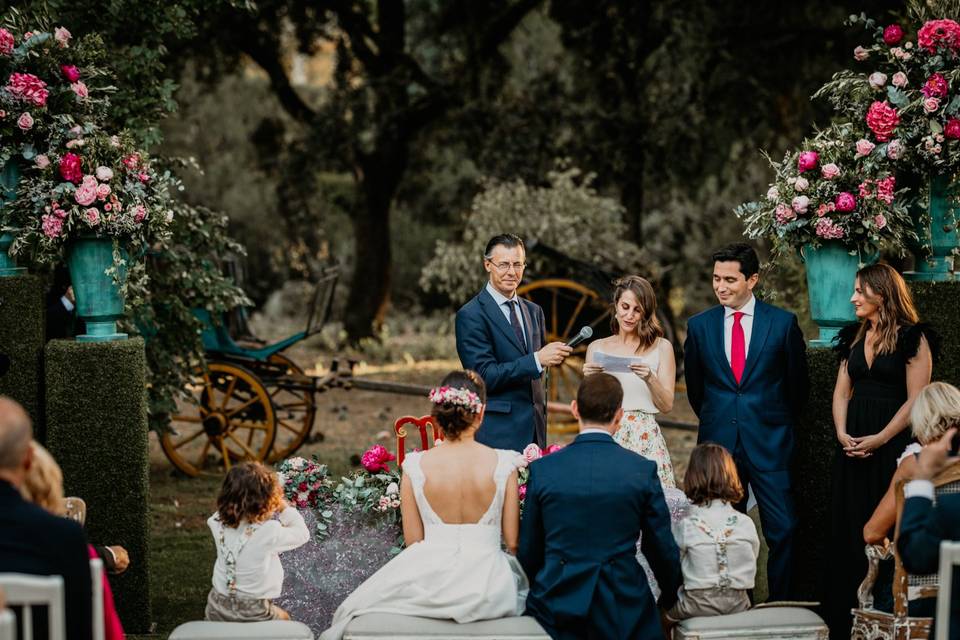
(457, 396)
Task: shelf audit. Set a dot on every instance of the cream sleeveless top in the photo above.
(636, 393)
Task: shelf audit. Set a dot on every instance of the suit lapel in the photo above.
(758, 336)
(716, 339)
(497, 318)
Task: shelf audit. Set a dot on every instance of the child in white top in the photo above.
(718, 544)
(248, 574)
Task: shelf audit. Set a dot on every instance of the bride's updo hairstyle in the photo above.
(457, 401)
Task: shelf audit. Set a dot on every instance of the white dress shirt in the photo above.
(701, 553)
(746, 321)
(919, 489)
(504, 303)
(259, 573)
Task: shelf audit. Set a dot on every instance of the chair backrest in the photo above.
(96, 576)
(904, 584)
(949, 557)
(8, 625)
(27, 591)
(76, 509)
(423, 425)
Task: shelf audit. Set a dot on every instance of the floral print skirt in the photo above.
(640, 433)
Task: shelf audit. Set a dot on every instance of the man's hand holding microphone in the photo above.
(554, 353)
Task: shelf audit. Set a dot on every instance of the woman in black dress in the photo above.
(885, 361)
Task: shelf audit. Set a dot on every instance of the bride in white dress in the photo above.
(648, 388)
(457, 501)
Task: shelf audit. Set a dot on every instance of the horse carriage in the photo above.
(252, 402)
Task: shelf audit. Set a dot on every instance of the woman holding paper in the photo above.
(642, 360)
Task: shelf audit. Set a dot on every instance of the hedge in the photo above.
(22, 319)
(96, 410)
(938, 304)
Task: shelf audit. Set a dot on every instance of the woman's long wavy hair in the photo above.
(648, 329)
(883, 286)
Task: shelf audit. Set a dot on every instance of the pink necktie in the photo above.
(738, 347)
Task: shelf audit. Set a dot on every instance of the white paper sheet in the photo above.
(615, 364)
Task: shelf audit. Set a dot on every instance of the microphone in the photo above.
(585, 334)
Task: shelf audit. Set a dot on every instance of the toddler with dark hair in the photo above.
(718, 544)
(247, 575)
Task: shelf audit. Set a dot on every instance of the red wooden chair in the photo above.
(422, 425)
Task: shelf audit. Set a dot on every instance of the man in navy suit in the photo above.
(746, 372)
(585, 507)
(924, 526)
(501, 337)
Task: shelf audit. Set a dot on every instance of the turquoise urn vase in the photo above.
(9, 179)
(99, 300)
(935, 223)
(831, 272)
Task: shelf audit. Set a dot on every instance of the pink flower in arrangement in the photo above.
(865, 190)
(935, 87)
(70, 168)
(939, 34)
(952, 129)
(845, 202)
(553, 448)
(885, 189)
(880, 221)
(3, 114)
(899, 79)
(132, 161)
(103, 191)
(807, 160)
(877, 80)
(825, 208)
(894, 149)
(86, 193)
(92, 216)
(104, 174)
(801, 184)
(893, 34)
(7, 42)
(143, 177)
(784, 214)
(70, 72)
(864, 147)
(80, 89)
(930, 104)
(532, 452)
(27, 35)
(28, 87)
(830, 171)
(25, 121)
(52, 226)
(861, 54)
(107, 206)
(375, 458)
(62, 36)
(828, 230)
(800, 204)
(139, 213)
(522, 491)
(773, 193)
(61, 213)
(882, 120)
(41, 161)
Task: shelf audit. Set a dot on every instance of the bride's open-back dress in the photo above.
(457, 572)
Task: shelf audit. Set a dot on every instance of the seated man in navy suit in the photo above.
(501, 337)
(585, 507)
(924, 526)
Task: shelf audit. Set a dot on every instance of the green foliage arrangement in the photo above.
(567, 214)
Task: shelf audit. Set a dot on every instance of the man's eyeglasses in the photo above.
(503, 267)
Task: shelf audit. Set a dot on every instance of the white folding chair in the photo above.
(96, 575)
(8, 625)
(27, 591)
(949, 557)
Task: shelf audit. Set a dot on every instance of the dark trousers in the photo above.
(777, 518)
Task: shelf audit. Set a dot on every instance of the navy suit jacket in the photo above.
(922, 528)
(486, 343)
(761, 410)
(585, 507)
(35, 542)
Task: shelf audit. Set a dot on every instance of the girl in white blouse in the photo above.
(718, 544)
(247, 574)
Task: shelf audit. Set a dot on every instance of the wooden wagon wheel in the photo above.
(567, 306)
(230, 418)
(294, 405)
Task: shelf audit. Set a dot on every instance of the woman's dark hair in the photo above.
(507, 240)
(648, 329)
(711, 475)
(249, 492)
(884, 287)
(740, 252)
(455, 418)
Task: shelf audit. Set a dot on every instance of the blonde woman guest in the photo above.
(648, 389)
(886, 360)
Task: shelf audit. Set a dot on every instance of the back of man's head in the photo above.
(15, 435)
(598, 399)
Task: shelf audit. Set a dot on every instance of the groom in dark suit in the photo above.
(585, 507)
(746, 373)
(501, 337)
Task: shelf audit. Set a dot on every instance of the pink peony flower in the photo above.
(25, 121)
(830, 171)
(70, 72)
(899, 79)
(553, 448)
(877, 80)
(952, 129)
(828, 230)
(861, 54)
(845, 201)
(375, 458)
(52, 226)
(865, 189)
(882, 120)
(92, 216)
(62, 36)
(807, 160)
(930, 104)
(80, 89)
(885, 189)
(864, 147)
(103, 191)
(937, 34)
(70, 168)
(893, 34)
(784, 214)
(41, 161)
(104, 174)
(800, 204)
(86, 193)
(132, 161)
(880, 221)
(935, 86)
(143, 177)
(139, 213)
(532, 452)
(801, 184)
(773, 193)
(28, 87)
(894, 149)
(522, 491)
(7, 42)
